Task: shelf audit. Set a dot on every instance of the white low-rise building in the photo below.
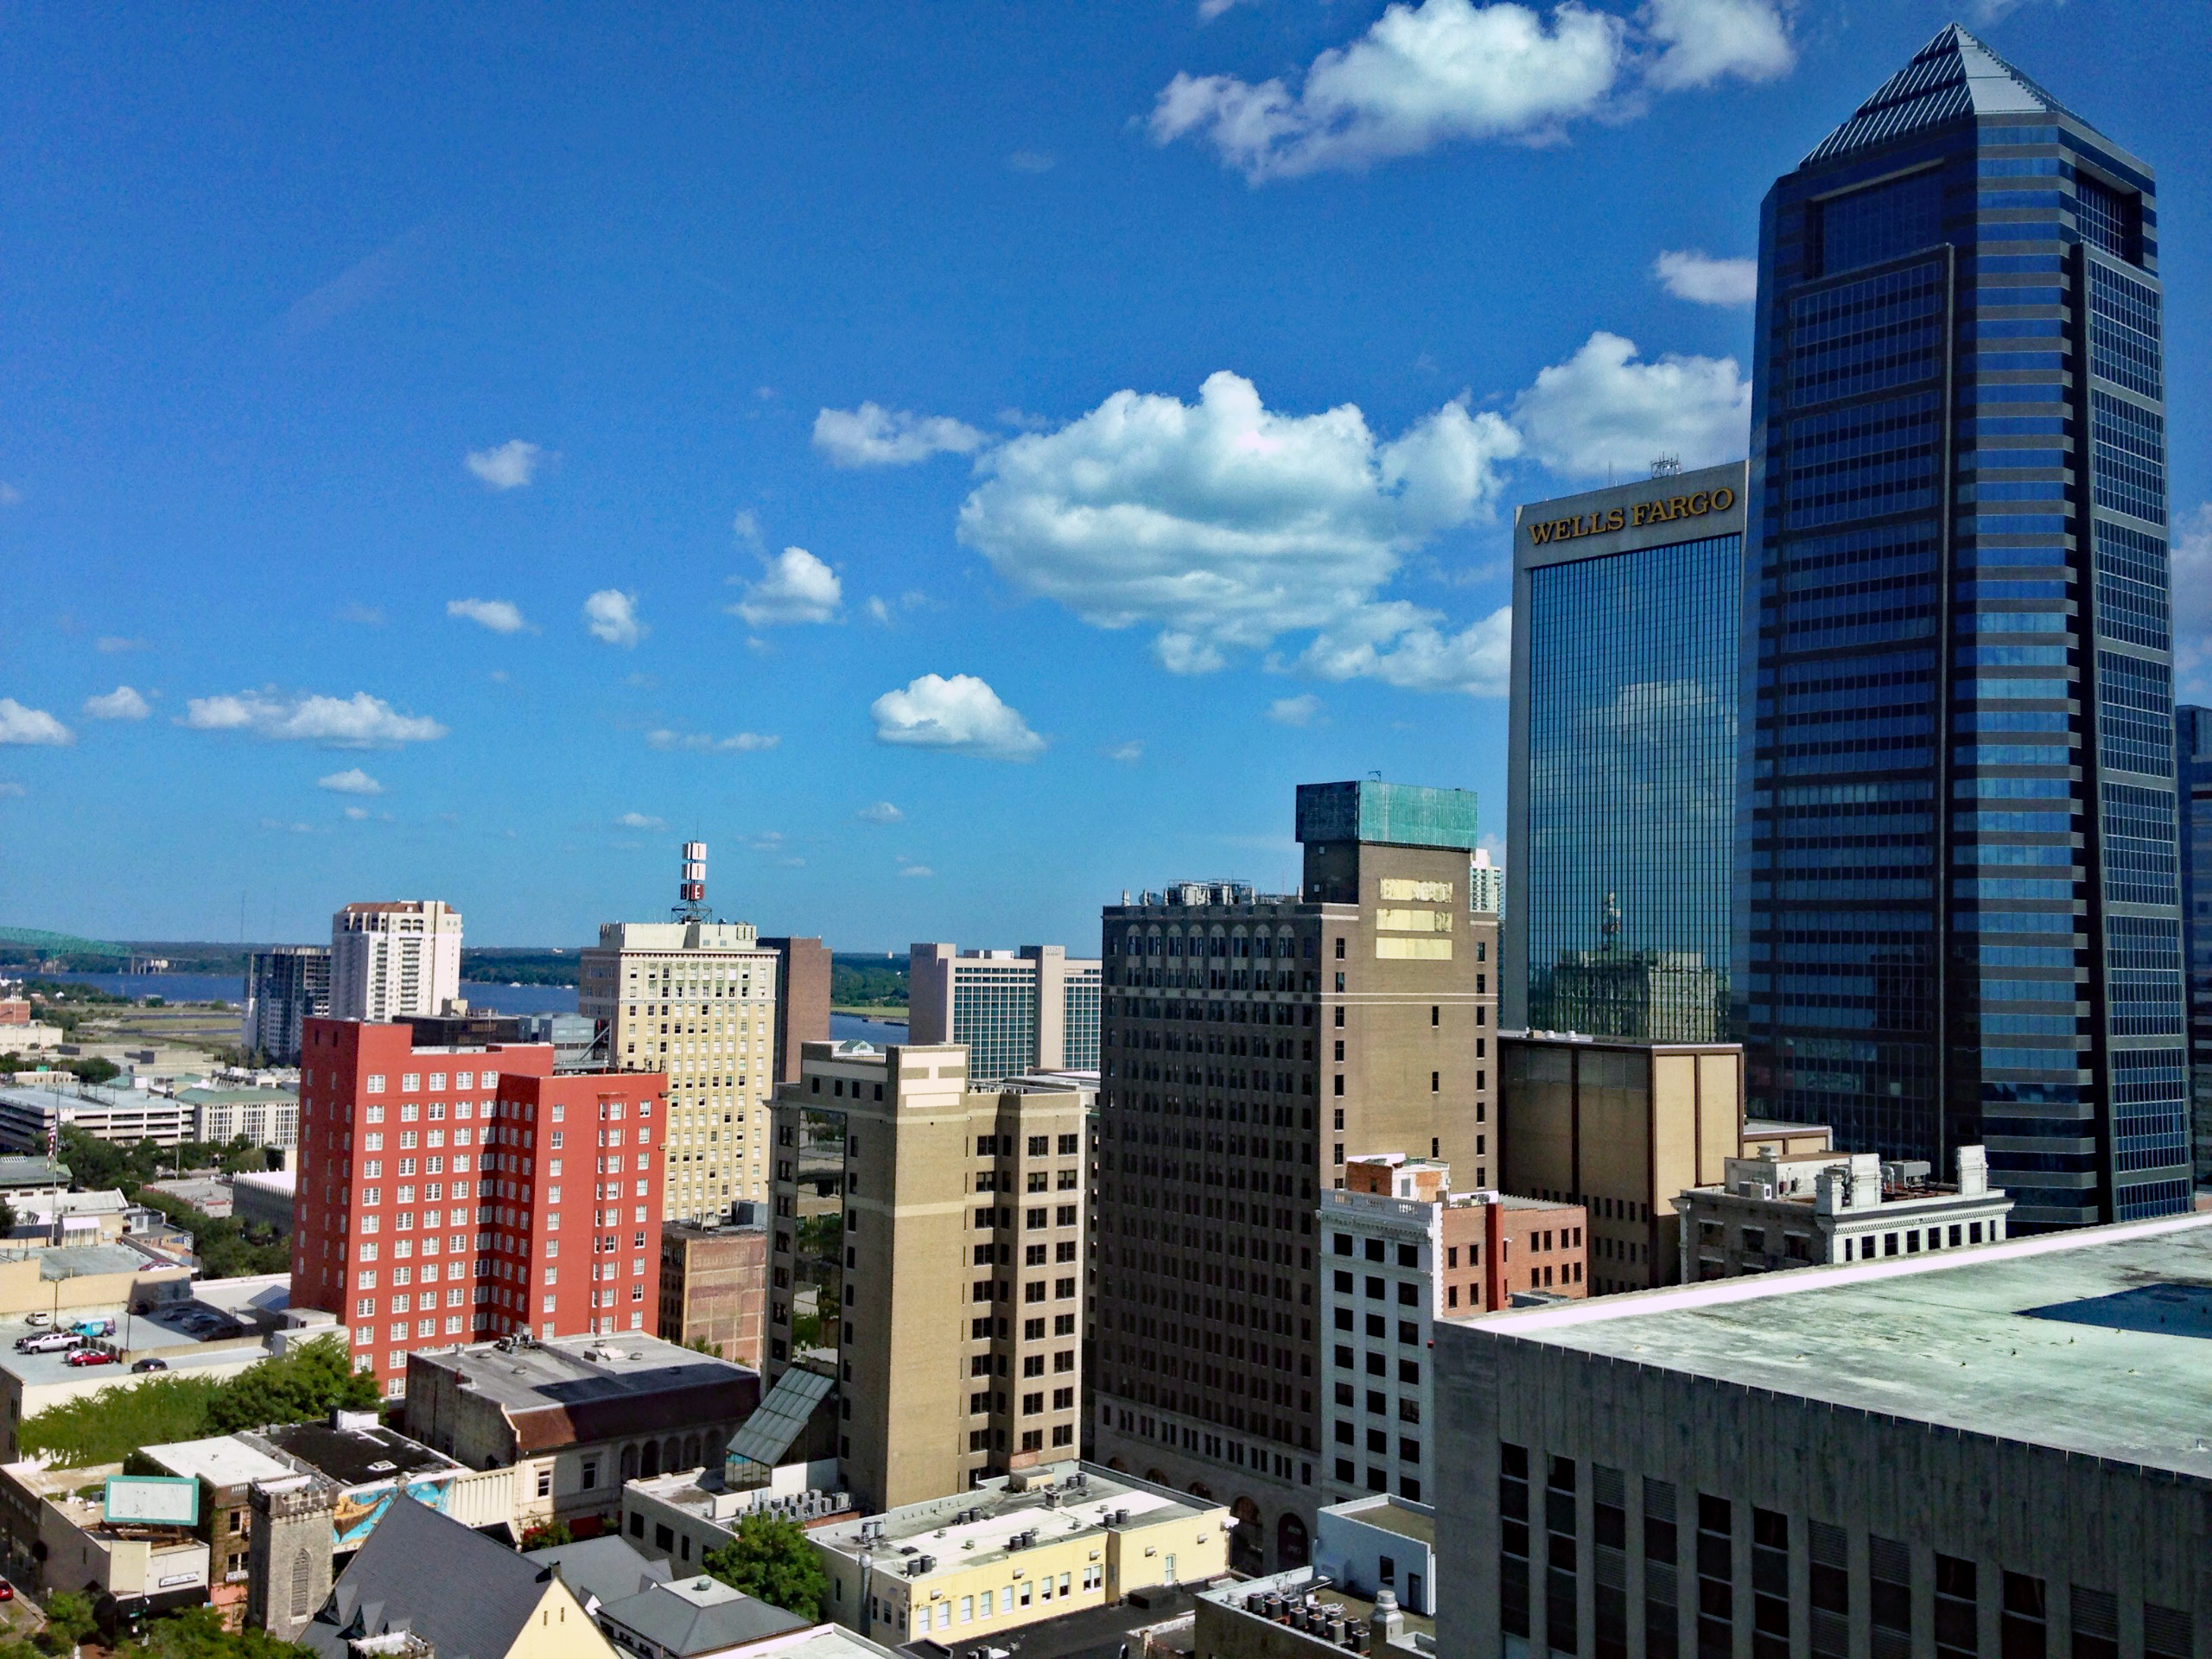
(1781, 1210)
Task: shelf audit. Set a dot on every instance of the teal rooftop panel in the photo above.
(1400, 815)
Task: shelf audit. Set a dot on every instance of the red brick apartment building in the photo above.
(449, 1194)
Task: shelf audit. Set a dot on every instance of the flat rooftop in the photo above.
(356, 1457)
(933, 1528)
(1416, 1522)
(221, 1460)
(2097, 1341)
(568, 1371)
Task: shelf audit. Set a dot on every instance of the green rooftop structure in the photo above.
(1380, 814)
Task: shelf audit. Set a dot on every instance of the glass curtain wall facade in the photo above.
(2193, 761)
(1957, 917)
(1623, 759)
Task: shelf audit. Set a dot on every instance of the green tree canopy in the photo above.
(198, 1633)
(770, 1557)
(308, 1383)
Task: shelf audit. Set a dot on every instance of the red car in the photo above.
(7, 1590)
(90, 1357)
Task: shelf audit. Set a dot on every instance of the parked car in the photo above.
(53, 1342)
(150, 1365)
(7, 1590)
(36, 1319)
(90, 1357)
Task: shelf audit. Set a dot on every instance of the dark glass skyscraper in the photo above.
(2193, 766)
(1957, 919)
(1623, 759)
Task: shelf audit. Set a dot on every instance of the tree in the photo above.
(312, 1381)
(548, 1534)
(7, 1217)
(68, 1621)
(95, 1069)
(770, 1557)
(198, 1633)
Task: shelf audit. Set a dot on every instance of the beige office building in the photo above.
(1621, 1127)
(926, 1249)
(696, 1000)
(392, 959)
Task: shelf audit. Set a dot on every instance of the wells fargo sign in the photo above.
(1657, 512)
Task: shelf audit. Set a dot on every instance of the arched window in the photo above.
(629, 1464)
(1290, 1543)
(651, 1467)
(691, 1452)
(302, 1583)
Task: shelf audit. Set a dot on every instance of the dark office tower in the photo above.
(2193, 757)
(284, 985)
(1622, 762)
(1251, 1045)
(1956, 908)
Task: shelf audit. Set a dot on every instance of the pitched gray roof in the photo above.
(607, 1567)
(423, 1571)
(1954, 75)
(700, 1615)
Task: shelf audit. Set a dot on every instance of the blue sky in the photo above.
(960, 461)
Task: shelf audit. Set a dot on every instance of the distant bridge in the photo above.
(61, 945)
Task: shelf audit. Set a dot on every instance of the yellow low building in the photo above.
(1014, 1551)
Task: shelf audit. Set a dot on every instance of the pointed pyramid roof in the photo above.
(1955, 75)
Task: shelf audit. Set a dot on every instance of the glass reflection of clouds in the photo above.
(1631, 718)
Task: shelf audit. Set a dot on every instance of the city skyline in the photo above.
(334, 438)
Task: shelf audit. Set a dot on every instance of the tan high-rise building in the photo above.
(395, 959)
(1620, 1127)
(926, 1249)
(698, 999)
(1249, 1043)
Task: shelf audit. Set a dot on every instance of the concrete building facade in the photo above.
(1034, 1009)
(392, 959)
(1995, 1452)
(698, 1001)
(1251, 1042)
(1772, 1211)
(802, 1000)
(1400, 1250)
(1619, 1128)
(927, 1250)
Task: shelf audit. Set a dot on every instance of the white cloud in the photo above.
(122, 703)
(1294, 711)
(1701, 41)
(1697, 277)
(1421, 76)
(510, 467)
(640, 821)
(707, 743)
(884, 611)
(114, 643)
(352, 781)
(9, 495)
(11, 790)
(1603, 408)
(357, 813)
(961, 714)
(612, 615)
(31, 726)
(500, 615)
(1445, 71)
(881, 812)
(1224, 525)
(917, 870)
(291, 829)
(745, 526)
(1128, 754)
(354, 722)
(872, 435)
(1421, 657)
(1209, 10)
(1033, 160)
(798, 588)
